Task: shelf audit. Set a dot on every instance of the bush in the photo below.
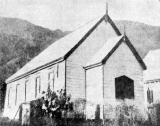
(125, 113)
(7, 122)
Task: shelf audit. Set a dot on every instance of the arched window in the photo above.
(38, 87)
(26, 90)
(124, 88)
(17, 91)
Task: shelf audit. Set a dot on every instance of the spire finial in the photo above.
(124, 33)
(107, 8)
(106, 15)
(124, 30)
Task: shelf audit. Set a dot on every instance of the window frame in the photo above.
(49, 85)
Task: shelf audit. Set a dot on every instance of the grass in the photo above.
(126, 113)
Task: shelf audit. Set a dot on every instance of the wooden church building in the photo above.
(94, 62)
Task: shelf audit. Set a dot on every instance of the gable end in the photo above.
(90, 31)
(131, 47)
(135, 53)
(85, 36)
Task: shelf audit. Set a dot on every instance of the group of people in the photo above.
(55, 105)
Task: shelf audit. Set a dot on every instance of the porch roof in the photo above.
(105, 50)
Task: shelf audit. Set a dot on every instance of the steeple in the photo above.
(124, 30)
(106, 15)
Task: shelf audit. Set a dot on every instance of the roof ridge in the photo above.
(86, 23)
(79, 28)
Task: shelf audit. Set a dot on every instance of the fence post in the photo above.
(17, 111)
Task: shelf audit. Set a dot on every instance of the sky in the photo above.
(70, 14)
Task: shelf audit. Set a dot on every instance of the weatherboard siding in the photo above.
(59, 83)
(123, 62)
(75, 73)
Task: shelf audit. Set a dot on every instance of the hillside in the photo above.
(20, 41)
(143, 37)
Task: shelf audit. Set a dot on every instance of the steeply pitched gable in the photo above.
(107, 50)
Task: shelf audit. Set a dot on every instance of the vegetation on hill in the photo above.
(20, 41)
(143, 37)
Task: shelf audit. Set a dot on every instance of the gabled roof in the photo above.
(61, 49)
(108, 48)
(152, 60)
(105, 49)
